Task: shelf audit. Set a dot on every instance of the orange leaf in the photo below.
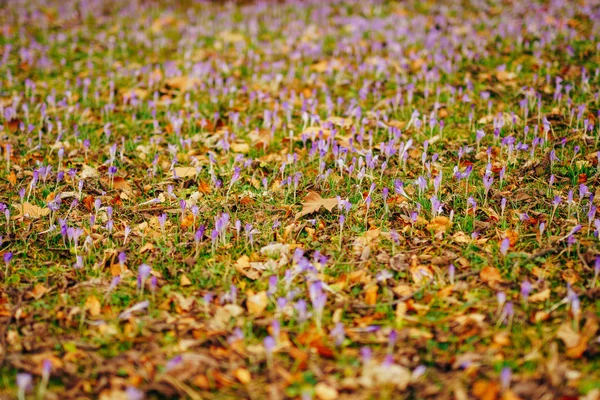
(12, 178)
(371, 295)
(440, 224)
(490, 275)
(204, 187)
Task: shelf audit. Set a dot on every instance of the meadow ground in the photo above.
(345, 199)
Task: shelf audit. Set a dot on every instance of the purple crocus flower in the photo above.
(338, 333)
(24, 384)
(133, 393)
(173, 363)
(525, 290)
(143, 273)
(505, 378)
(269, 343)
(504, 246)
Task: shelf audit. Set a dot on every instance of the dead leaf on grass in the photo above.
(313, 203)
(32, 211)
(490, 275)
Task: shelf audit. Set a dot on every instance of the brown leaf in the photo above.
(38, 291)
(513, 237)
(88, 202)
(32, 211)
(485, 390)
(439, 224)
(490, 275)
(120, 183)
(576, 342)
(313, 203)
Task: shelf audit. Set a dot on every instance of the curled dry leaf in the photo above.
(313, 203)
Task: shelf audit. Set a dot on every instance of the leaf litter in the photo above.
(353, 200)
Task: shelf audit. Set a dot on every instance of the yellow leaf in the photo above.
(231, 37)
(242, 375)
(313, 202)
(92, 305)
(325, 392)
(540, 296)
(243, 266)
(240, 147)
(183, 83)
(257, 303)
(185, 172)
(115, 269)
(12, 178)
(184, 281)
(439, 224)
(371, 295)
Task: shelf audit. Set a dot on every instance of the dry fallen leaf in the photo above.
(486, 390)
(325, 391)
(92, 305)
(576, 342)
(257, 303)
(38, 291)
(490, 275)
(32, 211)
(540, 296)
(185, 172)
(371, 295)
(183, 83)
(439, 224)
(121, 184)
(313, 203)
(375, 374)
(242, 375)
(244, 267)
(184, 281)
